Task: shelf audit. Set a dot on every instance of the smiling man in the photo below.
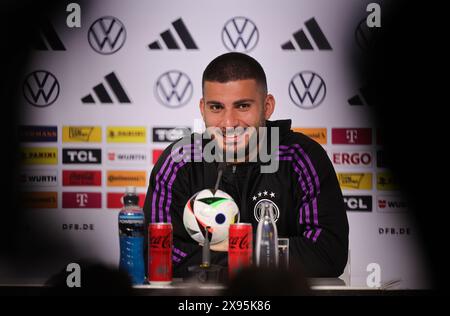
(302, 188)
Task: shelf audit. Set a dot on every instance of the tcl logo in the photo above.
(169, 134)
(82, 156)
(358, 203)
(352, 158)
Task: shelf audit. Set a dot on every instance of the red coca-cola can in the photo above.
(160, 253)
(240, 247)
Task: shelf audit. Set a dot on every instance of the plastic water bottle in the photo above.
(266, 249)
(131, 237)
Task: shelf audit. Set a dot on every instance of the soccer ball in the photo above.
(206, 208)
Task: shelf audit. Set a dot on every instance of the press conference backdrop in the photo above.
(100, 102)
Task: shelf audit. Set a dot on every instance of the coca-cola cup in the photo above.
(240, 247)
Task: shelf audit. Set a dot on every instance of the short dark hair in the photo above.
(232, 67)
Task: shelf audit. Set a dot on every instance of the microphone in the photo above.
(220, 169)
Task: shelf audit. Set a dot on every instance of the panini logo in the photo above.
(114, 200)
(127, 156)
(353, 159)
(46, 178)
(39, 200)
(76, 134)
(386, 182)
(82, 200)
(82, 177)
(39, 156)
(126, 134)
(169, 134)
(391, 204)
(38, 133)
(355, 181)
(358, 203)
(126, 178)
(318, 134)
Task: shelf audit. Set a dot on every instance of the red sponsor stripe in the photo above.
(156, 154)
(114, 200)
(82, 178)
(351, 136)
(82, 200)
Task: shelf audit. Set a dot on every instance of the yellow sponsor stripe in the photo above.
(78, 134)
(318, 134)
(355, 181)
(39, 155)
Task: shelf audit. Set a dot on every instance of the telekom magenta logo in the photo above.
(351, 136)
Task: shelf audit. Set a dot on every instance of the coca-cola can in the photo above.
(160, 253)
(240, 247)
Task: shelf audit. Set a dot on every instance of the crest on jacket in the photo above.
(265, 196)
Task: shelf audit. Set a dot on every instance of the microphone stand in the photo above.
(206, 272)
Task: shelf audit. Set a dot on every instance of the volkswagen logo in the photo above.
(41, 88)
(107, 35)
(307, 90)
(173, 89)
(240, 34)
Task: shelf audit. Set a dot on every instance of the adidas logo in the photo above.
(365, 97)
(102, 94)
(170, 41)
(46, 38)
(302, 40)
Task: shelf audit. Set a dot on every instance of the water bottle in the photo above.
(266, 250)
(131, 237)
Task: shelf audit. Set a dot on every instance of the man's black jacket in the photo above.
(305, 191)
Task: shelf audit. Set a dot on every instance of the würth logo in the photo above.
(107, 35)
(41, 88)
(102, 94)
(240, 34)
(47, 38)
(364, 97)
(173, 89)
(307, 90)
(302, 40)
(170, 41)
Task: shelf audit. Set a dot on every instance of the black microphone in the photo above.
(220, 169)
